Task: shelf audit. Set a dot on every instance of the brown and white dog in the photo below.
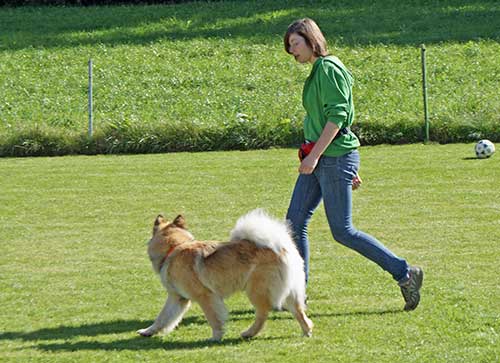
(260, 259)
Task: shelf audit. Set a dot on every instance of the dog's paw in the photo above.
(308, 329)
(248, 334)
(145, 332)
(216, 336)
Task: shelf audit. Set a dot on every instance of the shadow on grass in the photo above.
(89, 330)
(136, 343)
(357, 313)
(285, 315)
(65, 333)
(109, 327)
(473, 158)
(349, 23)
(44, 337)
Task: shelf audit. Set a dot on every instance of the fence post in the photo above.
(424, 89)
(91, 126)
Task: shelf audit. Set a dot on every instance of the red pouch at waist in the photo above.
(305, 149)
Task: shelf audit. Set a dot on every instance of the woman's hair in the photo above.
(311, 32)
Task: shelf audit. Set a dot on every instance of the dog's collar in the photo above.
(169, 252)
(167, 255)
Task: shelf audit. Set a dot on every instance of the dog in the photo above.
(260, 259)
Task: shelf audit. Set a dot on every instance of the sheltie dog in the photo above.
(260, 259)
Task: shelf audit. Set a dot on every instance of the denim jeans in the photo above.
(332, 182)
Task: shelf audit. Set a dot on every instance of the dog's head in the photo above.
(166, 237)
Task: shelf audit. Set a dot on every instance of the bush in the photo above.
(240, 134)
(123, 137)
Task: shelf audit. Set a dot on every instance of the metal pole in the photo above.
(424, 86)
(90, 100)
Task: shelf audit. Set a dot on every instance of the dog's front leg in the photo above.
(170, 316)
(215, 311)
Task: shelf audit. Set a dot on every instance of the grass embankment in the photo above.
(178, 77)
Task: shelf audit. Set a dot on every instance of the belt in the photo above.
(342, 131)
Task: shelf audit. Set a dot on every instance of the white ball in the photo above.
(484, 149)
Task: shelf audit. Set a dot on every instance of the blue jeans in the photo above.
(332, 182)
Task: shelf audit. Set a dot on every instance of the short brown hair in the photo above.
(311, 32)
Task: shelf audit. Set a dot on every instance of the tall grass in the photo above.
(173, 72)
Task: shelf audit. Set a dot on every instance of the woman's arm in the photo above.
(310, 161)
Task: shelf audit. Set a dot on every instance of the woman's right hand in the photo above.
(308, 164)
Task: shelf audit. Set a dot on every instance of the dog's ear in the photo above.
(180, 222)
(158, 221)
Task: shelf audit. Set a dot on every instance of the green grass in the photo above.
(76, 282)
(164, 73)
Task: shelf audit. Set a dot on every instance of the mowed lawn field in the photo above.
(178, 77)
(76, 283)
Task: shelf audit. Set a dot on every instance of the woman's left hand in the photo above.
(308, 165)
(356, 182)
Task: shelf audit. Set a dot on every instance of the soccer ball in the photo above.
(484, 149)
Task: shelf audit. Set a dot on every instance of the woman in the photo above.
(330, 160)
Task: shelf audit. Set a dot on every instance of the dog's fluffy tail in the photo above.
(267, 232)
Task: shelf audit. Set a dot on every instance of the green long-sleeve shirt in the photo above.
(327, 97)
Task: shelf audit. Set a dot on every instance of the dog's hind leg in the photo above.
(298, 310)
(262, 305)
(169, 317)
(216, 313)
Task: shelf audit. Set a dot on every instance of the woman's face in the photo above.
(300, 50)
